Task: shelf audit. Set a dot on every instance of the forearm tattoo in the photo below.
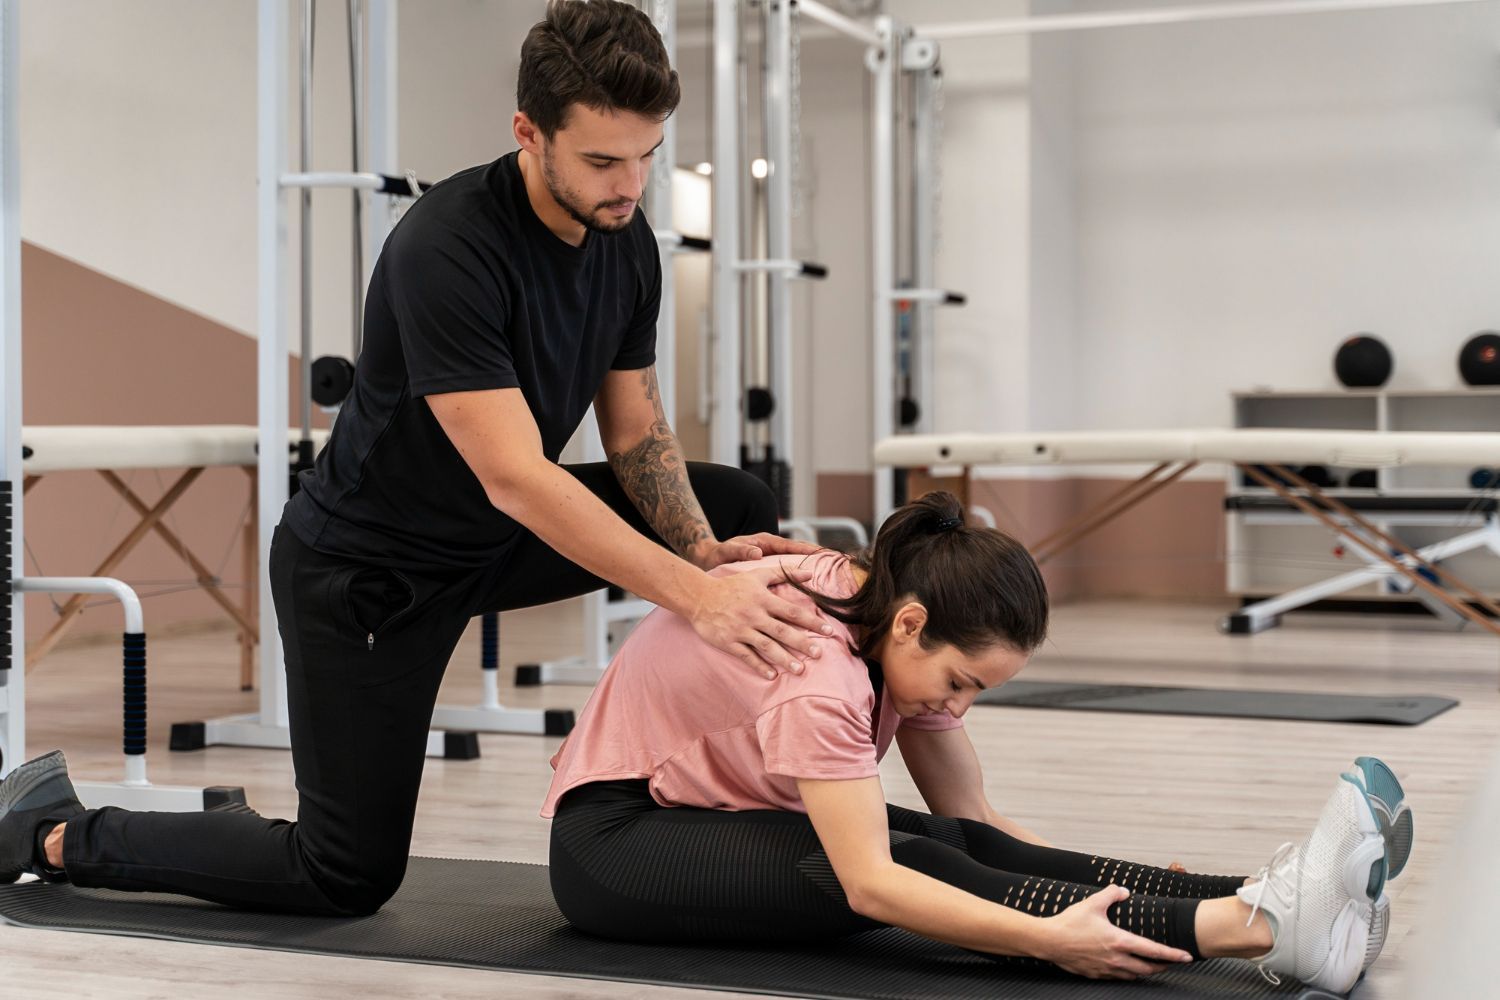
(655, 477)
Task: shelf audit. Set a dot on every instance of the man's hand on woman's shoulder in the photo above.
(746, 548)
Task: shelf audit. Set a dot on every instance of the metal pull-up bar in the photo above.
(1179, 15)
(831, 18)
(792, 268)
(940, 296)
(379, 183)
(677, 241)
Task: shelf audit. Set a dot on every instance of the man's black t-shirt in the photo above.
(472, 291)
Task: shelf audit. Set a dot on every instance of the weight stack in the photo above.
(5, 572)
(777, 475)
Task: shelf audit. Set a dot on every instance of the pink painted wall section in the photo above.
(1170, 546)
(98, 351)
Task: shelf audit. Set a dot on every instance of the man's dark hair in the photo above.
(605, 54)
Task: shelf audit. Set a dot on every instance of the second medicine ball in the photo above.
(1479, 361)
(1363, 362)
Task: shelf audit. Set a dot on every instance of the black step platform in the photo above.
(1432, 504)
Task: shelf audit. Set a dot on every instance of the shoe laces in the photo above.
(1276, 877)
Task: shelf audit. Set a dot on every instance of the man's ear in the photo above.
(528, 136)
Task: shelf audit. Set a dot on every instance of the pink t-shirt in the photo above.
(708, 731)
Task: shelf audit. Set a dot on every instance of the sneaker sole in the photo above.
(1380, 926)
(1366, 869)
(22, 782)
(1394, 815)
(1348, 938)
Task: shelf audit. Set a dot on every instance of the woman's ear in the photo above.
(909, 622)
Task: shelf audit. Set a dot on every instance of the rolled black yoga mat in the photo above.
(1398, 710)
(500, 915)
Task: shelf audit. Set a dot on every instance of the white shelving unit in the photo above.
(1272, 552)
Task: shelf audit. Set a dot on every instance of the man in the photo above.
(510, 297)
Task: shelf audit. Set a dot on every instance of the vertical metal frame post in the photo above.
(271, 390)
(725, 410)
(883, 62)
(380, 153)
(779, 181)
(13, 680)
(664, 16)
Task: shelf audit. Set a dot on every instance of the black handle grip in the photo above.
(811, 270)
(400, 186)
(134, 655)
(955, 299)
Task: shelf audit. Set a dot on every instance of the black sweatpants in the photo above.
(366, 648)
(625, 867)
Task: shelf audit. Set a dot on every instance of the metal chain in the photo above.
(937, 160)
(796, 111)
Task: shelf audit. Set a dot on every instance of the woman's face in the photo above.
(921, 680)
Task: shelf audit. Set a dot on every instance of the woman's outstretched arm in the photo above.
(850, 820)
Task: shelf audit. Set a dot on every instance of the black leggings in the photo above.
(366, 648)
(625, 867)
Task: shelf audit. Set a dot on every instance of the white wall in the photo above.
(1053, 259)
(138, 144)
(1251, 192)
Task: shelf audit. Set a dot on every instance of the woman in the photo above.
(697, 804)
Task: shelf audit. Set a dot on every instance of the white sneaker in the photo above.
(1317, 896)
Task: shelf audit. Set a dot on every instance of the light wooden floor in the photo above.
(1218, 794)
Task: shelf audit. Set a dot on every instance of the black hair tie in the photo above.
(948, 524)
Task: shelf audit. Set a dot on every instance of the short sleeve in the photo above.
(932, 722)
(818, 738)
(638, 349)
(451, 310)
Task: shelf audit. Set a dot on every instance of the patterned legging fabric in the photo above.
(625, 867)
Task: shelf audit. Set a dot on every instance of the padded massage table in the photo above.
(109, 450)
(1264, 457)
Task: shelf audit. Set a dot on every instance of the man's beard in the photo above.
(570, 204)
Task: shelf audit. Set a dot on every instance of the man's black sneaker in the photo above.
(36, 793)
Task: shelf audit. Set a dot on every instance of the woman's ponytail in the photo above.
(979, 585)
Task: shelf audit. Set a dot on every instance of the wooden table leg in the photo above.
(921, 482)
(74, 606)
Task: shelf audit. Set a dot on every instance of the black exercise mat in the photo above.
(1403, 710)
(498, 915)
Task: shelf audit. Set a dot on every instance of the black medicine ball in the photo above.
(1362, 362)
(1479, 361)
